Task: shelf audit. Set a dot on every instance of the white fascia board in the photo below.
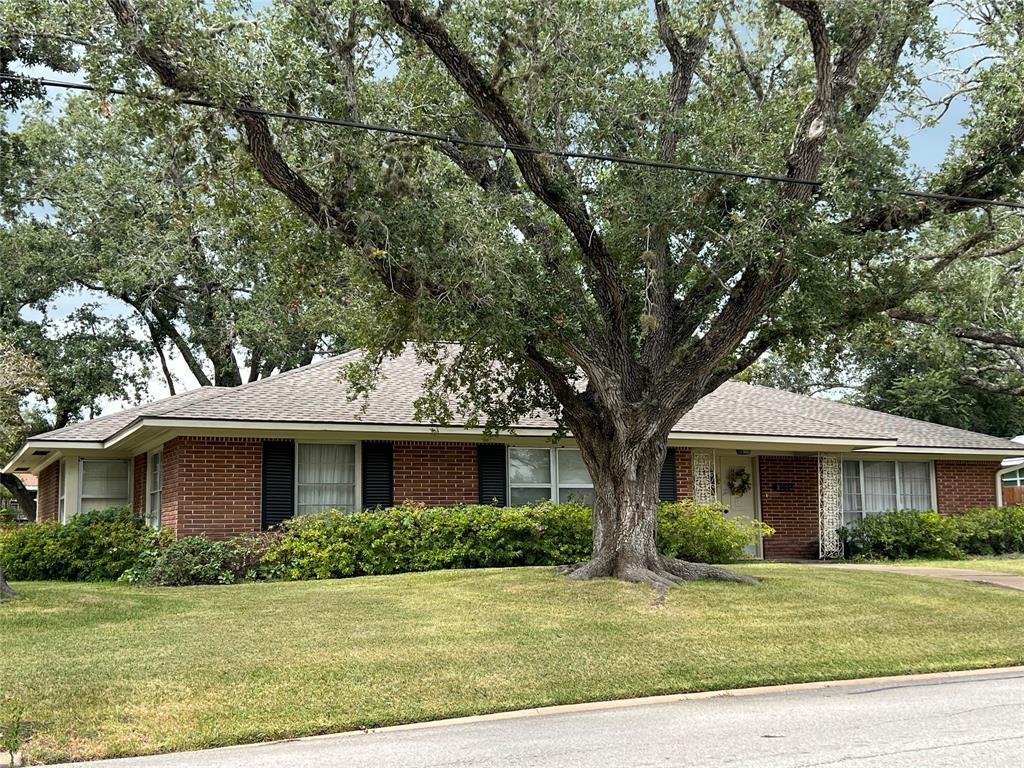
(675, 438)
(979, 453)
(698, 439)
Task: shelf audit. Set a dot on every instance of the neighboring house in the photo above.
(1012, 479)
(224, 461)
(10, 508)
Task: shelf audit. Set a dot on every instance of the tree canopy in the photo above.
(617, 294)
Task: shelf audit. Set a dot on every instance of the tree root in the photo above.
(663, 574)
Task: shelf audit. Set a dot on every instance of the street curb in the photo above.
(597, 706)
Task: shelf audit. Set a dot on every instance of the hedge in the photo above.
(413, 538)
(93, 546)
(335, 544)
(912, 534)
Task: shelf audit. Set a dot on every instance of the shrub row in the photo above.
(93, 546)
(910, 534)
(336, 544)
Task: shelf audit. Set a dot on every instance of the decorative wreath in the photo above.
(739, 481)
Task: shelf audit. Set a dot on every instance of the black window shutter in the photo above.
(491, 465)
(378, 485)
(278, 482)
(667, 482)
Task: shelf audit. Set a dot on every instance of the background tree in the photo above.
(166, 225)
(617, 295)
(953, 356)
(20, 376)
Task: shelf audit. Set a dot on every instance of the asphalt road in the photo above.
(966, 721)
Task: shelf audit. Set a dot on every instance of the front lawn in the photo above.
(1012, 564)
(111, 670)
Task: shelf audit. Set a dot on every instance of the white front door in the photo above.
(737, 472)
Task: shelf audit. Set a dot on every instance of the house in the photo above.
(10, 509)
(224, 461)
(1011, 479)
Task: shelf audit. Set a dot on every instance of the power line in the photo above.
(503, 146)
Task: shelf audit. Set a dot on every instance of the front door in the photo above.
(737, 488)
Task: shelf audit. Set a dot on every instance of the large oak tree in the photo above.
(617, 295)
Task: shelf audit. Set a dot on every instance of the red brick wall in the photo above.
(212, 486)
(169, 484)
(963, 485)
(789, 504)
(684, 473)
(436, 473)
(139, 469)
(48, 495)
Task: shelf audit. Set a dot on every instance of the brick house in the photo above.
(223, 461)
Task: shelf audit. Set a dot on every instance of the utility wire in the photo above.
(533, 150)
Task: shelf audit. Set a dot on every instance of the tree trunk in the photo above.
(13, 484)
(626, 471)
(5, 588)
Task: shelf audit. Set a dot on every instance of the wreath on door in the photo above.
(739, 481)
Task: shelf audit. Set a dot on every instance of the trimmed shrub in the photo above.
(997, 531)
(702, 534)
(911, 534)
(196, 560)
(93, 546)
(413, 538)
(902, 534)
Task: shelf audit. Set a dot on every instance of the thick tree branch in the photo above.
(271, 165)
(685, 55)
(752, 75)
(558, 191)
(993, 336)
(976, 177)
(807, 148)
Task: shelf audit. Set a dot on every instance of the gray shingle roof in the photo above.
(314, 394)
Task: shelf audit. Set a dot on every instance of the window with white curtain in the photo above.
(104, 483)
(543, 474)
(325, 477)
(154, 494)
(873, 487)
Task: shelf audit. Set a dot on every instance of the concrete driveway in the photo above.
(960, 720)
(989, 578)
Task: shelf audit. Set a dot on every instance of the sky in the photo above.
(927, 148)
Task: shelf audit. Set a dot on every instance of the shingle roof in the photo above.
(104, 427)
(314, 394)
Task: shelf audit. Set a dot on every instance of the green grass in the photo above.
(1013, 564)
(109, 670)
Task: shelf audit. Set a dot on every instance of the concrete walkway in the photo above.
(990, 578)
(948, 720)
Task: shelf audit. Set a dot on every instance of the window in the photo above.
(104, 484)
(1014, 479)
(154, 485)
(872, 487)
(61, 487)
(529, 475)
(573, 479)
(542, 474)
(325, 477)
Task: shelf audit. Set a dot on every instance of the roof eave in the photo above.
(994, 453)
(23, 458)
(830, 441)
